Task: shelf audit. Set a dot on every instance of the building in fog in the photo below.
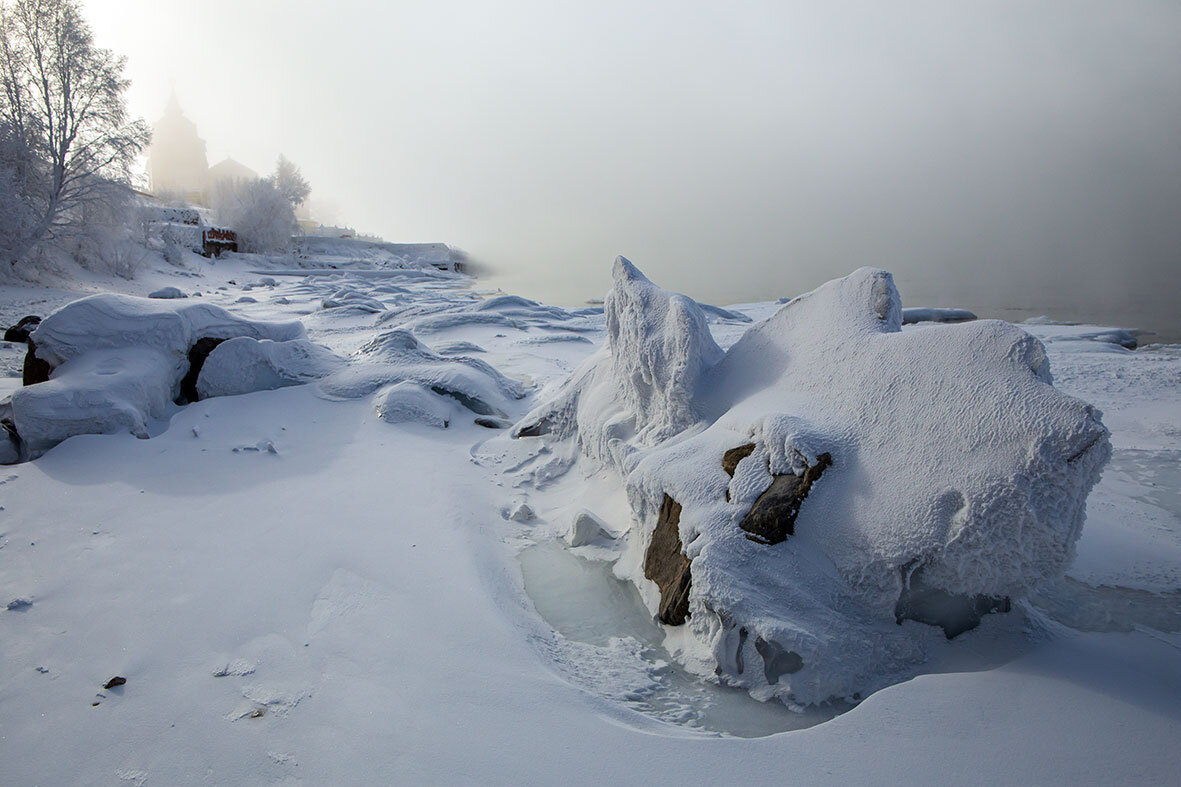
(176, 158)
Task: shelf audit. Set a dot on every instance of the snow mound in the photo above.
(118, 362)
(397, 356)
(644, 385)
(503, 311)
(354, 300)
(167, 293)
(827, 477)
(243, 365)
(410, 402)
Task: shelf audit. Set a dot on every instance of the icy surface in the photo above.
(913, 314)
(350, 608)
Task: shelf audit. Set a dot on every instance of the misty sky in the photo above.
(989, 153)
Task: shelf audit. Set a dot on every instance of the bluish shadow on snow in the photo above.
(305, 431)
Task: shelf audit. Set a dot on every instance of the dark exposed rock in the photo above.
(773, 516)
(491, 422)
(118, 680)
(731, 458)
(777, 661)
(197, 355)
(35, 370)
(952, 612)
(477, 406)
(10, 441)
(535, 429)
(20, 332)
(666, 565)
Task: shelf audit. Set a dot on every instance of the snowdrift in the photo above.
(415, 383)
(808, 500)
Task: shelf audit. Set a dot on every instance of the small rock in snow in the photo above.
(43, 670)
(586, 528)
(118, 680)
(521, 512)
(167, 293)
(20, 603)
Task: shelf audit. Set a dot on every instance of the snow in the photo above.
(118, 362)
(111, 321)
(167, 293)
(243, 365)
(358, 590)
(99, 392)
(586, 529)
(956, 467)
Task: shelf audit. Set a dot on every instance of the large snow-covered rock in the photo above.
(894, 475)
(100, 392)
(111, 321)
(243, 365)
(117, 361)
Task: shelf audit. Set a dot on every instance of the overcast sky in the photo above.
(986, 152)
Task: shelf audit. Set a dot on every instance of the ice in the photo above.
(915, 314)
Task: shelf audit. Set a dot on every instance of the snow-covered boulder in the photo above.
(110, 321)
(397, 356)
(115, 362)
(243, 365)
(167, 293)
(827, 478)
(100, 392)
(410, 402)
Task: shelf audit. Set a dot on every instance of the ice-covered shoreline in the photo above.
(359, 586)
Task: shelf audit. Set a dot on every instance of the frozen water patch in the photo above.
(611, 646)
(1107, 608)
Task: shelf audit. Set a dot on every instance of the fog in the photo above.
(1009, 157)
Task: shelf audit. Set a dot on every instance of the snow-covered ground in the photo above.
(321, 584)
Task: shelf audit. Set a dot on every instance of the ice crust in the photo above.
(955, 466)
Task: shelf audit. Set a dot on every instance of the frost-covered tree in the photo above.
(290, 182)
(260, 214)
(68, 141)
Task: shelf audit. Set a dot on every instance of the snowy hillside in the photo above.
(396, 531)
